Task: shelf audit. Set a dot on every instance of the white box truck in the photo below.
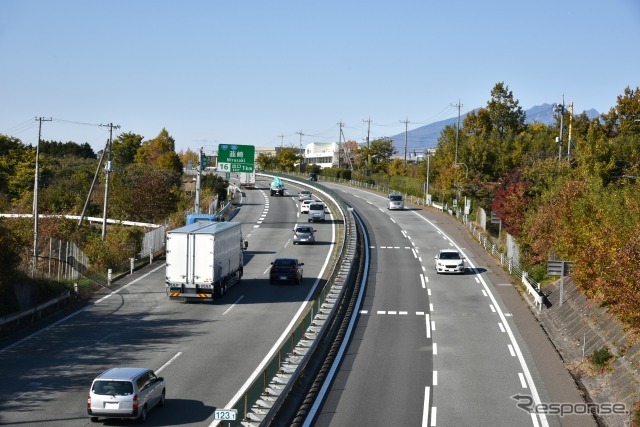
(204, 260)
(247, 179)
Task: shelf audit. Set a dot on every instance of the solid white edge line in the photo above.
(534, 420)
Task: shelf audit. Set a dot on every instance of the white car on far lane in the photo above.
(449, 261)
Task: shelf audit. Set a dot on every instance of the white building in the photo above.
(323, 154)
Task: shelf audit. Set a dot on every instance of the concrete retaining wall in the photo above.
(578, 328)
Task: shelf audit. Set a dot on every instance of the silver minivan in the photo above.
(125, 393)
(316, 212)
(395, 201)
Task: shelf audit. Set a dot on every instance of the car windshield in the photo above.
(113, 388)
(284, 263)
(449, 255)
(395, 198)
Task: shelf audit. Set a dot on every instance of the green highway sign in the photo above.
(236, 158)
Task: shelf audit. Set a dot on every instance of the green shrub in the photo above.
(601, 357)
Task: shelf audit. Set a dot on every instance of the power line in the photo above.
(20, 127)
(71, 122)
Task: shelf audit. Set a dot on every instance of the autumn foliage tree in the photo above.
(510, 202)
(161, 152)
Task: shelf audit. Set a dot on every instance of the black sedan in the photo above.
(286, 269)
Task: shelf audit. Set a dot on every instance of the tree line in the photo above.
(146, 185)
(583, 208)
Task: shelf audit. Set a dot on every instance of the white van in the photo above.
(316, 212)
(125, 393)
(395, 201)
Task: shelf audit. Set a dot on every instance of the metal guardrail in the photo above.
(33, 313)
(532, 287)
(87, 218)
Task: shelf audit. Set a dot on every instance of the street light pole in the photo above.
(426, 196)
(467, 169)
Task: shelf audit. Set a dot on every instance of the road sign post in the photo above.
(559, 268)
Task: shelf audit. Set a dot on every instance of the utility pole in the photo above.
(281, 140)
(406, 122)
(107, 171)
(300, 149)
(427, 199)
(300, 133)
(35, 197)
(368, 121)
(559, 108)
(340, 125)
(569, 137)
(196, 208)
(347, 150)
(458, 105)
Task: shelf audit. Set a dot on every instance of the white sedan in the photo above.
(449, 261)
(304, 206)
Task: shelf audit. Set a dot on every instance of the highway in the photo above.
(428, 349)
(206, 352)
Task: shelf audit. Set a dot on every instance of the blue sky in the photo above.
(260, 73)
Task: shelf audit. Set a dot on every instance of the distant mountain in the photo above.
(425, 137)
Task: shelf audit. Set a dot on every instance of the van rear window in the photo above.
(114, 388)
(316, 207)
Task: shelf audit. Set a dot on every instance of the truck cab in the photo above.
(193, 218)
(277, 187)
